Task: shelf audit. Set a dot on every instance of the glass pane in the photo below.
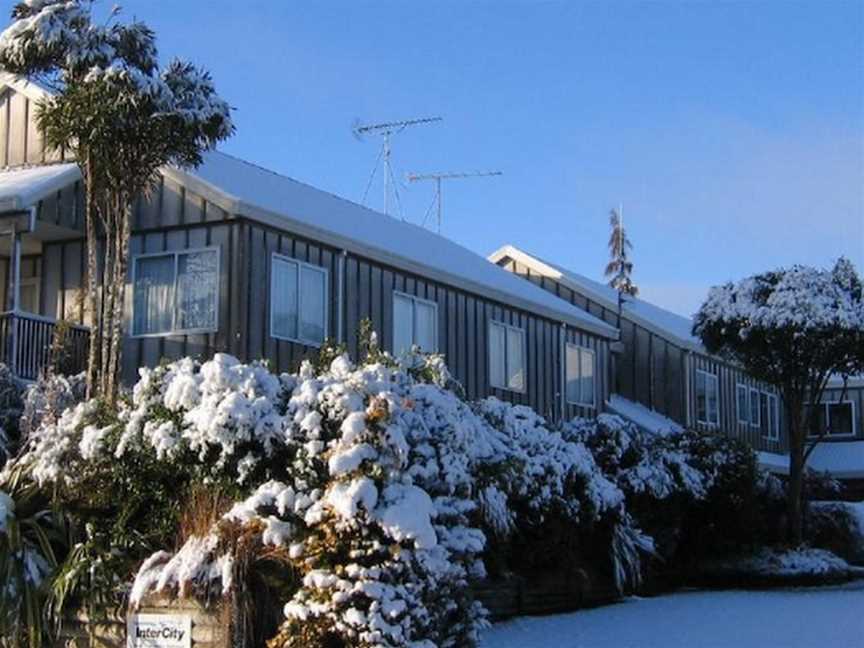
(817, 423)
(283, 299)
(586, 392)
(713, 405)
(773, 417)
(497, 344)
(572, 374)
(754, 407)
(403, 324)
(153, 308)
(515, 360)
(424, 326)
(840, 418)
(313, 305)
(743, 404)
(29, 294)
(197, 283)
(701, 398)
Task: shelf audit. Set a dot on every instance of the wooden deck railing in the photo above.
(26, 345)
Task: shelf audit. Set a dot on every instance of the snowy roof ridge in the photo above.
(259, 193)
(665, 323)
(22, 187)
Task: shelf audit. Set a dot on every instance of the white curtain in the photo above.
(515, 359)
(283, 299)
(403, 324)
(586, 377)
(424, 326)
(313, 292)
(197, 283)
(154, 295)
(497, 353)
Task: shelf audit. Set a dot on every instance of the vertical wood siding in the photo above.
(20, 140)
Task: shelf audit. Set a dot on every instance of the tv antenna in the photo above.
(386, 130)
(438, 177)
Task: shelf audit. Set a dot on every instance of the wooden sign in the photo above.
(159, 631)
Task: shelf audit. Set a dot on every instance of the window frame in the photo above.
(844, 435)
(581, 349)
(505, 359)
(34, 282)
(300, 265)
(713, 377)
(414, 300)
(177, 254)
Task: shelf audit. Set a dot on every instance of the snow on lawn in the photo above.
(788, 618)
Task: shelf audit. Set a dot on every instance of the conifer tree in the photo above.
(619, 268)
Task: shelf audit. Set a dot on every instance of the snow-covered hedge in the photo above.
(374, 489)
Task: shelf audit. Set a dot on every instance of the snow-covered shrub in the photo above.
(10, 411)
(696, 493)
(838, 527)
(375, 514)
(222, 417)
(46, 399)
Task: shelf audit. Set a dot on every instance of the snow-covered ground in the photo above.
(789, 618)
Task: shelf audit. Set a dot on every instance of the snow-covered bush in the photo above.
(10, 411)
(46, 399)
(838, 527)
(696, 493)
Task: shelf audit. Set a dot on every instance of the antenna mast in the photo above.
(438, 177)
(386, 130)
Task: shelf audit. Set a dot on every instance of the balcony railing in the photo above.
(27, 345)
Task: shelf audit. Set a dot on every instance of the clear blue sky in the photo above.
(733, 133)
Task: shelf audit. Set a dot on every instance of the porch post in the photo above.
(15, 298)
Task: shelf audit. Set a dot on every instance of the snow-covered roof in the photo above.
(265, 195)
(842, 459)
(641, 416)
(674, 327)
(23, 187)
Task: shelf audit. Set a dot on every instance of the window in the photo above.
(29, 295)
(834, 418)
(580, 375)
(755, 412)
(415, 322)
(506, 357)
(771, 409)
(176, 292)
(298, 301)
(743, 398)
(707, 406)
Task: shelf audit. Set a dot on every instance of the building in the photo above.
(661, 372)
(235, 258)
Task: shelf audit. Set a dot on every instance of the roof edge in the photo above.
(536, 264)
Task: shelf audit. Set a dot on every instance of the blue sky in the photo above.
(732, 132)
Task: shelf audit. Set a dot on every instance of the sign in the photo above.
(159, 631)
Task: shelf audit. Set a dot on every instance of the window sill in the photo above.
(144, 336)
(308, 343)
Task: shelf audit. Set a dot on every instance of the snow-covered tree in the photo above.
(123, 118)
(792, 328)
(619, 268)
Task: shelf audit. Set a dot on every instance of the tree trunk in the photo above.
(121, 265)
(109, 221)
(795, 494)
(92, 271)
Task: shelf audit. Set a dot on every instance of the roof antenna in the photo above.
(438, 177)
(386, 130)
